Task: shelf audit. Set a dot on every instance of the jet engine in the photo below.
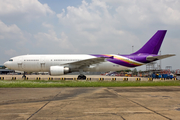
(59, 70)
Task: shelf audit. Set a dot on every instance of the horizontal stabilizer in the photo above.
(152, 58)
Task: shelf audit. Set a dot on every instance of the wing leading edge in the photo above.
(87, 62)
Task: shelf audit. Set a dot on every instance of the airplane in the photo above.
(61, 64)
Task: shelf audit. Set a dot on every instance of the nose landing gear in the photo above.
(24, 75)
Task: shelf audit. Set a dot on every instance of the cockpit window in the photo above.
(11, 60)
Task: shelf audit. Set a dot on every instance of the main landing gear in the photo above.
(24, 75)
(81, 77)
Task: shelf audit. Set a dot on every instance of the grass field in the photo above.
(46, 84)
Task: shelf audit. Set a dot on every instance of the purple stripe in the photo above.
(121, 62)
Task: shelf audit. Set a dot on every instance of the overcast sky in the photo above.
(87, 26)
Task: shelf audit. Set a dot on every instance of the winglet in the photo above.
(111, 57)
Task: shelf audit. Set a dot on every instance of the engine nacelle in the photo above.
(59, 70)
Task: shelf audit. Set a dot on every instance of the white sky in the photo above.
(87, 26)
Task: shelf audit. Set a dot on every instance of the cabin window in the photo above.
(31, 60)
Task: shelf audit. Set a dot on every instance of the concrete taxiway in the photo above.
(119, 103)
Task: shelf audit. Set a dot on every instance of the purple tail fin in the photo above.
(154, 44)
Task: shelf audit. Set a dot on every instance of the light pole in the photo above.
(132, 49)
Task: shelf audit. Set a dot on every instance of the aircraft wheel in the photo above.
(81, 77)
(24, 77)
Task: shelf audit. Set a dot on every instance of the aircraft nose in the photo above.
(6, 64)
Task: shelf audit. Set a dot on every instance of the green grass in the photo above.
(46, 84)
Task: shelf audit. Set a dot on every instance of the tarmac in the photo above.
(98, 103)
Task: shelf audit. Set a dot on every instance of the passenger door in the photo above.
(20, 64)
(42, 64)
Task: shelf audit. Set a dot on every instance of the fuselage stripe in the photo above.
(125, 59)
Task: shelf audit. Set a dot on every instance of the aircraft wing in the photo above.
(151, 58)
(87, 62)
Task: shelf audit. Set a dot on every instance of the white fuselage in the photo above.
(42, 63)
